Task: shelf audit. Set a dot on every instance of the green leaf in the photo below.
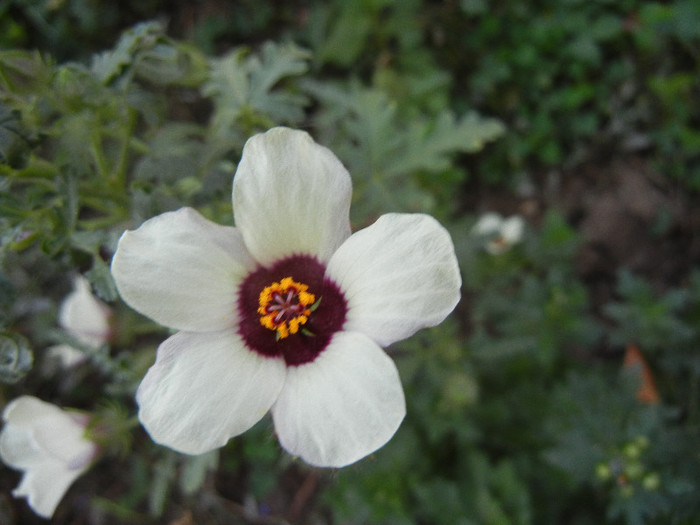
(399, 162)
(23, 72)
(110, 64)
(348, 33)
(171, 63)
(14, 142)
(242, 86)
(430, 145)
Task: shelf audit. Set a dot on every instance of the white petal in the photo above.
(19, 449)
(488, 224)
(84, 316)
(45, 442)
(44, 486)
(512, 229)
(341, 407)
(36, 431)
(62, 437)
(182, 270)
(398, 275)
(67, 355)
(290, 196)
(205, 388)
(25, 410)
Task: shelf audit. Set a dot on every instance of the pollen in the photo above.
(285, 306)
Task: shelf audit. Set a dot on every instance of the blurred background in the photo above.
(557, 140)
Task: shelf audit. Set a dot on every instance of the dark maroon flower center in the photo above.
(326, 318)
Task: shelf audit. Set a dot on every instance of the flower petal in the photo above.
(18, 449)
(45, 485)
(488, 224)
(36, 431)
(341, 407)
(512, 229)
(24, 410)
(205, 388)
(66, 355)
(290, 196)
(182, 270)
(45, 441)
(84, 316)
(62, 437)
(398, 275)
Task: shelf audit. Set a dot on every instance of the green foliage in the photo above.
(643, 316)
(664, 325)
(385, 149)
(576, 79)
(69, 28)
(241, 88)
(669, 39)
(533, 314)
(621, 450)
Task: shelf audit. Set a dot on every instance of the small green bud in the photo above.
(651, 481)
(602, 471)
(632, 450)
(460, 389)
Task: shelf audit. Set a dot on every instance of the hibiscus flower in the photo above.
(287, 312)
(49, 445)
(500, 234)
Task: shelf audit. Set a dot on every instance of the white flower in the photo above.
(287, 312)
(85, 318)
(48, 444)
(500, 233)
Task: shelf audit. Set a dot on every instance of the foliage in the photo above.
(519, 407)
(573, 79)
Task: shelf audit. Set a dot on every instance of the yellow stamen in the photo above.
(283, 306)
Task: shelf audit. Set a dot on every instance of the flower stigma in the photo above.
(284, 306)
